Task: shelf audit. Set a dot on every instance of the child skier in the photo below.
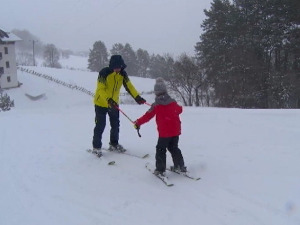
(168, 123)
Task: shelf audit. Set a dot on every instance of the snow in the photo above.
(248, 161)
(75, 62)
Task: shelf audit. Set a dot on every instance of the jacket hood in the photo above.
(116, 61)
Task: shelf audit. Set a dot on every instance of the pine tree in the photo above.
(5, 102)
(219, 43)
(117, 49)
(129, 56)
(143, 61)
(250, 53)
(130, 59)
(161, 66)
(98, 57)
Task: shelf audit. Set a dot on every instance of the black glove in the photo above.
(112, 103)
(139, 100)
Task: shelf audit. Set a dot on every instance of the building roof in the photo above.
(3, 34)
(8, 36)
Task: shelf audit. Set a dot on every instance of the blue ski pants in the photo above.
(100, 123)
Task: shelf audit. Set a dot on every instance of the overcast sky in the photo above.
(158, 26)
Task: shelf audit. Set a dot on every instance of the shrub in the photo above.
(5, 102)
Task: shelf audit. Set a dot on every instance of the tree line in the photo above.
(182, 75)
(248, 56)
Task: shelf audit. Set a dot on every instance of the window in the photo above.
(0, 55)
(5, 50)
(1, 71)
(7, 64)
(8, 79)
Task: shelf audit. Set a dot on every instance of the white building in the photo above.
(8, 65)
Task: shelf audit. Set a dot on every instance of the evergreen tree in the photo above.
(277, 25)
(98, 57)
(143, 62)
(250, 53)
(5, 102)
(215, 51)
(128, 55)
(161, 66)
(117, 49)
(130, 59)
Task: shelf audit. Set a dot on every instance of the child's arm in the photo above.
(177, 108)
(146, 117)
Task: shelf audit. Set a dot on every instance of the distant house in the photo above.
(8, 65)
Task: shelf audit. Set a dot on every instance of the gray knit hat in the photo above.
(160, 87)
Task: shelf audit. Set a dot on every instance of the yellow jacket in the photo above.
(109, 84)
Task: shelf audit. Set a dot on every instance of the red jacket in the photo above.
(167, 118)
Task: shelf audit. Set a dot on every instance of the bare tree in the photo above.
(186, 79)
(51, 56)
(24, 58)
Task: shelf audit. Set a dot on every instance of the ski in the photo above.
(109, 163)
(164, 179)
(187, 175)
(128, 153)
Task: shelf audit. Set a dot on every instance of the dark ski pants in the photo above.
(170, 144)
(100, 123)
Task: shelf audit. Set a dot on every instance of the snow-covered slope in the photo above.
(248, 161)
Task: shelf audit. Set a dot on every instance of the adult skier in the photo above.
(106, 101)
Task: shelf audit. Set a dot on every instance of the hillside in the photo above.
(248, 161)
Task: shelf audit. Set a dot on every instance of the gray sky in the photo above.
(158, 26)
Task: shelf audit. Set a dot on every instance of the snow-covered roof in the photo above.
(3, 34)
(8, 36)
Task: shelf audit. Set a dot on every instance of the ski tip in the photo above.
(111, 163)
(145, 156)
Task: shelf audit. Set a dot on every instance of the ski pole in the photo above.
(146, 103)
(138, 130)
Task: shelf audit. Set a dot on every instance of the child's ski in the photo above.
(164, 179)
(184, 174)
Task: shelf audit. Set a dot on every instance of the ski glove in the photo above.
(139, 100)
(136, 126)
(112, 103)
